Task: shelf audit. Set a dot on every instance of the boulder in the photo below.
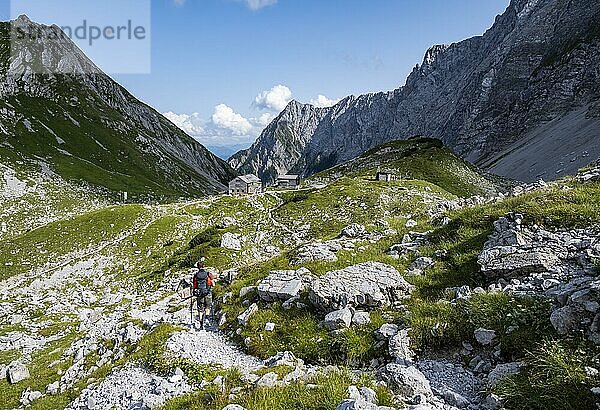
(485, 337)
(516, 251)
(53, 388)
(282, 285)
(502, 371)
(411, 223)
(508, 262)
(358, 404)
(339, 319)
(233, 407)
(246, 290)
(354, 231)
(244, 317)
(269, 380)
(360, 399)
(386, 331)
(361, 318)
(17, 372)
(399, 347)
(369, 285)
(318, 251)
(283, 359)
(28, 397)
(419, 265)
(231, 241)
(578, 309)
(456, 400)
(407, 381)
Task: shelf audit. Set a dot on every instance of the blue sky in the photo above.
(215, 64)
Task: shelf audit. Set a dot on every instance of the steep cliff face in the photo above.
(283, 143)
(59, 109)
(521, 100)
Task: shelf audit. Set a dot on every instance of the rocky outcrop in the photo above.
(406, 381)
(505, 100)
(369, 285)
(578, 309)
(361, 399)
(231, 241)
(536, 256)
(338, 319)
(284, 284)
(317, 251)
(558, 265)
(130, 387)
(17, 372)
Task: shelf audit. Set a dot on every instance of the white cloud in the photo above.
(322, 102)
(274, 99)
(259, 4)
(224, 128)
(192, 124)
(225, 117)
(265, 119)
(179, 3)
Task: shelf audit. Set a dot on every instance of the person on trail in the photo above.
(202, 283)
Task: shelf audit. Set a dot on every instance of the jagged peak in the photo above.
(23, 19)
(433, 52)
(45, 49)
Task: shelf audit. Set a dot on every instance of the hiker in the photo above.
(203, 283)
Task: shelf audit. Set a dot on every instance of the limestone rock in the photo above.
(231, 241)
(282, 285)
(407, 381)
(318, 251)
(361, 318)
(17, 372)
(268, 380)
(368, 285)
(578, 309)
(399, 347)
(339, 319)
(502, 371)
(283, 359)
(354, 231)
(245, 316)
(485, 337)
(386, 331)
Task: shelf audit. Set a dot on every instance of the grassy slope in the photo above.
(101, 145)
(420, 158)
(169, 237)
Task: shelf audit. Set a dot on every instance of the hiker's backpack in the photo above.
(202, 282)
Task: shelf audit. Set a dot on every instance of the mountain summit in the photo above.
(59, 109)
(523, 101)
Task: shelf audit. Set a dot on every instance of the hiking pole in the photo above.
(184, 284)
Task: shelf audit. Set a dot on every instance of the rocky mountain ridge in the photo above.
(522, 100)
(59, 108)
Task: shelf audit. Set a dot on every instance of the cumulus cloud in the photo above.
(225, 117)
(265, 119)
(274, 99)
(225, 127)
(192, 124)
(259, 4)
(323, 102)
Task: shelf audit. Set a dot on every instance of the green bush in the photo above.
(554, 379)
